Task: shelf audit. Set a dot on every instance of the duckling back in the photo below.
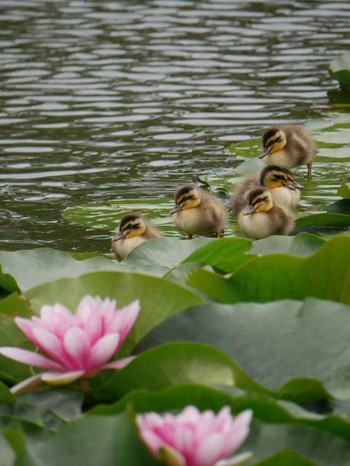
(238, 200)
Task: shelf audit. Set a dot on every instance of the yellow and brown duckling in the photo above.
(261, 218)
(285, 191)
(134, 229)
(288, 146)
(198, 212)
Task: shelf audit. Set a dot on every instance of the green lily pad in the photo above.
(325, 275)
(33, 267)
(340, 70)
(303, 244)
(344, 191)
(273, 343)
(318, 222)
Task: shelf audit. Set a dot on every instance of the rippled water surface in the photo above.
(115, 100)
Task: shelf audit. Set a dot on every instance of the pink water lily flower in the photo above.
(78, 345)
(192, 438)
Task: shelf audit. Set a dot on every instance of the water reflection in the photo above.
(122, 100)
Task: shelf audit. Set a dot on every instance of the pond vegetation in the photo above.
(260, 326)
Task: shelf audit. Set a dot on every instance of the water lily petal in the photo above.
(210, 449)
(119, 364)
(103, 350)
(28, 357)
(52, 345)
(26, 326)
(61, 378)
(235, 460)
(26, 384)
(239, 431)
(77, 345)
(124, 320)
(171, 457)
(87, 307)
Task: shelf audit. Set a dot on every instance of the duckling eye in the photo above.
(279, 178)
(132, 226)
(186, 198)
(260, 200)
(274, 141)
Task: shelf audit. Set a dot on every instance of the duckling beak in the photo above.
(264, 153)
(119, 236)
(297, 185)
(177, 208)
(290, 186)
(249, 210)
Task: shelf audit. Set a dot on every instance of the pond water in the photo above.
(124, 101)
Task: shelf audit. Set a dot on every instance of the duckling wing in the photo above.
(283, 219)
(238, 200)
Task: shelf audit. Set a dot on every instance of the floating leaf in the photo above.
(344, 191)
(303, 244)
(34, 267)
(226, 254)
(172, 364)
(322, 221)
(340, 207)
(325, 275)
(91, 441)
(340, 70)
(298, 349)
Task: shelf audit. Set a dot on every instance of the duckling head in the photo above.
(291, 183)
(273, 140)
(259, 200)
(186, 197)
(131, 225)
(273, 176)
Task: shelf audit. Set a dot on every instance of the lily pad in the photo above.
(318, 222)
(33, 267)
(275, 344)
(303, 244)
(344, 191)
(325, 275)
(340, 70)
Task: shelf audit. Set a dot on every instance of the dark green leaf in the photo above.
(34, 267)
(303, 244)
(300, 350)
(340, 70)
(325, 275)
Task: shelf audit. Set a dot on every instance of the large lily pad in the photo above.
(92, 441)
(34, 267)
(298, 349)
(171, 364)
(303, 244)
(325, 275)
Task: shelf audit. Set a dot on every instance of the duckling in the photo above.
(134, 229)
(198, 212)
(288, 146)
(261, 218)
(284, 189)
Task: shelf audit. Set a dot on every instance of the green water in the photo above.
(115, 104)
